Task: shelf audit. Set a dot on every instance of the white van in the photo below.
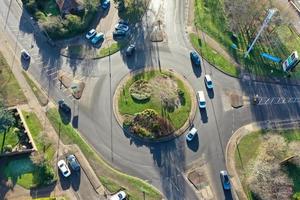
(201, 99)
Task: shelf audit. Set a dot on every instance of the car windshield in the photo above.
(61, 165)
(202, 103)
(209, 82)
(120, 196)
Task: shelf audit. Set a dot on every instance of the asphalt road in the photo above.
(162, 164)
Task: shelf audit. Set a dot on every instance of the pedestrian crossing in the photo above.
(277, 100)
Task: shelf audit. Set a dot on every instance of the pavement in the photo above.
(165, 162)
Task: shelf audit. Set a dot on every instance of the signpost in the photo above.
(291, 62)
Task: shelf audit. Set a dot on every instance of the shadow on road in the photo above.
(196, 69)
(42, 192)
(204, 116)
(211, 93)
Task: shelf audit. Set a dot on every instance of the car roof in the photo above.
(208, 78)
(193, 130)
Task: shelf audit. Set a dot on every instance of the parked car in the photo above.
(63, 167)
(90, 34)
(191, 134)
(225, 180)
(208, 81)
(130, 50)
(73, 162)
(201, 99)
(105, 4)
(25, 55)
(63, 106)
(195, 58)
(118, 196)
(97, 38)
(123, 27)
(119, 33)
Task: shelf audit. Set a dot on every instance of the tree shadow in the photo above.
(42, 191)
(65, 182)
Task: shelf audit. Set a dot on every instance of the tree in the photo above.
(7, 120)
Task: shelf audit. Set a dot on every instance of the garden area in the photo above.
(31, 170)
(234, 28)
(60, 21)
(154, 103)
(268, 164)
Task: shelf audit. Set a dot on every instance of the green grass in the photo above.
(110, 185)
(10, 139)
(133, 186)
(291, 135)
(36, 129)
(247, 149)
(10, 91)
(134, 10)
(213, 57)
(41, 97)
(19, 171)
(113, 48)
(127, 105)
(51, 8)
(211, 18)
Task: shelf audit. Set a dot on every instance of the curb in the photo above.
(238, 190)
(173, 135)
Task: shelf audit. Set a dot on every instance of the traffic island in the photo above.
(154, 104)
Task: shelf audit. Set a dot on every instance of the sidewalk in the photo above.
(238, 190)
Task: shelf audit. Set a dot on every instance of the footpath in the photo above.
(12, 56)
(238, 190)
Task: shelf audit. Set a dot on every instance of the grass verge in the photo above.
(113, 48)
(134, 186)
(36, 90)
(213, 57)
(10, 91)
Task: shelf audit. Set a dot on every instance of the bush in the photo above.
(40, 16)
(140, 90)
(44, 175)
(296, 196)
(8, 148)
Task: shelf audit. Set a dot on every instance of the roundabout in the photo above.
(154, 104)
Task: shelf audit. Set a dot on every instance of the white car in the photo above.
(201, 99)
(122, 27)
(90, 34)
(191, 134)
(118, 196)
(63, 167)
(208, 81)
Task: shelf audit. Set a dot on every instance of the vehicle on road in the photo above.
(63, 106)
(130, 50)
(119, 34)
(191, 134)
(97, 38)
(63, 167)
(208, 81)
(73, 162)
(225, 180)
(25, 55)
(123, 27)
(201, 99)
(90, 34)
(195, 58)
(105, 4)
(118, 196)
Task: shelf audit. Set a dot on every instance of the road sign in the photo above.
(291, 61)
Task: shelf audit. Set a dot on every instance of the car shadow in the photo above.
(75, 180)
(194, 144)
(65, 182)
(25, 63)
(204, 117)
(65, 116)
(196, 69)
(75, 121)
(210, 92)
(228, 194)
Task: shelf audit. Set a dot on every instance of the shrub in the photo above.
(44, 175)
(40, 16)
(140, 90)
(73, 22)
(296, 196)
(8, 148)
(180, 92)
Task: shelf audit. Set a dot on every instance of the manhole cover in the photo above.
(236, 100)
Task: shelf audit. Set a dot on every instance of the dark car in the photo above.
(63, 106)
(195, 57)
(122, 21)
(73, 162)
(119, 33)
(105, 4)
(130, 50)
